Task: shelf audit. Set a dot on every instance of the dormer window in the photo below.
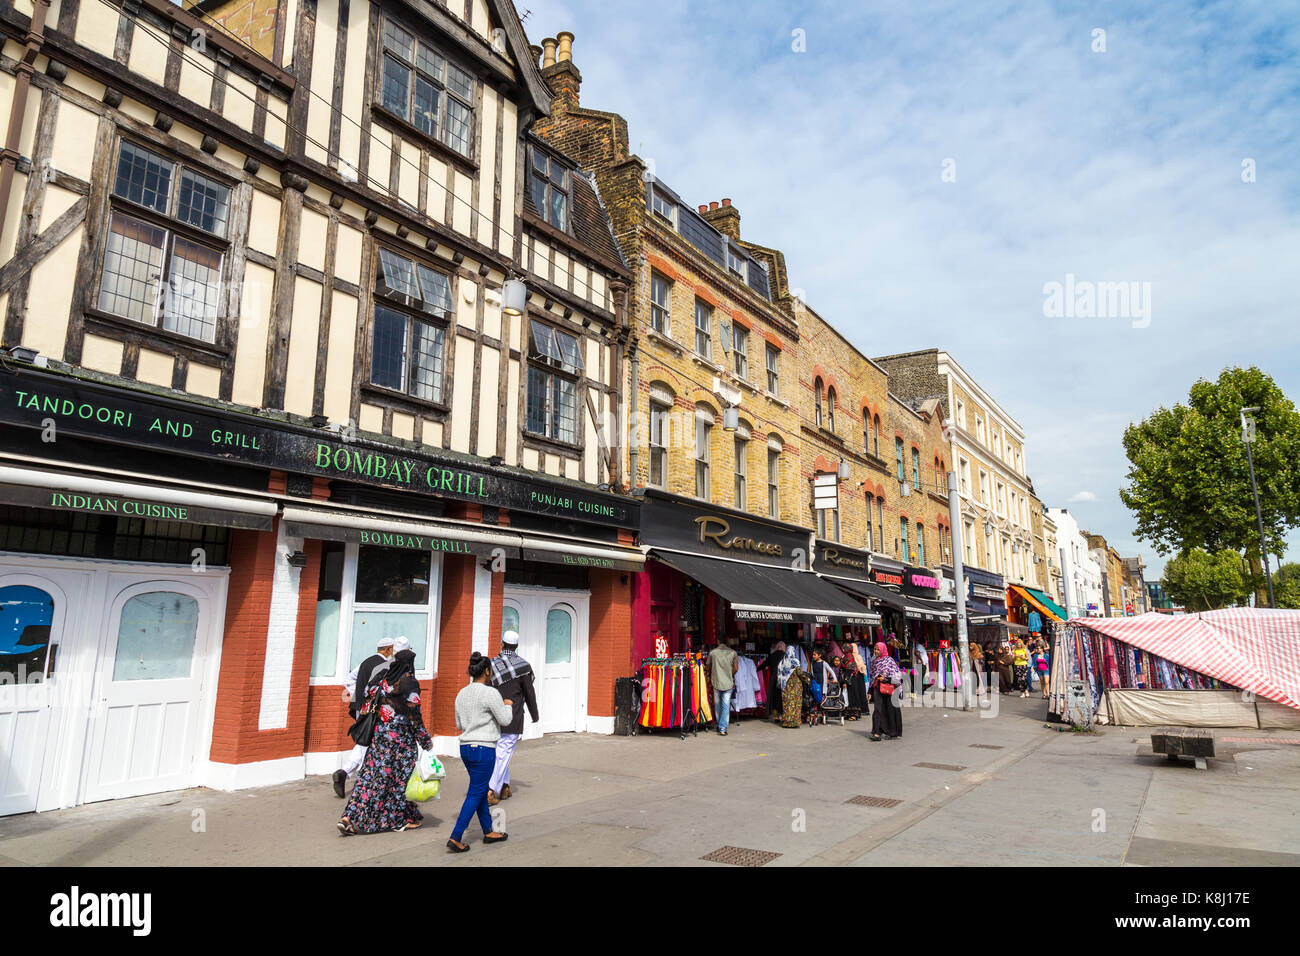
(663, 207)
(735, 264)
(548, 183)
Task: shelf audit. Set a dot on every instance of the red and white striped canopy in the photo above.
(1256, 649)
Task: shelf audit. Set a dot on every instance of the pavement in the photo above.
(1007, 790)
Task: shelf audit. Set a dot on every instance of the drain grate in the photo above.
(988, 747)
(740, 856)
(865, 801)
(939, 766)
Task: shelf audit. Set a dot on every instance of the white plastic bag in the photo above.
(428, 766)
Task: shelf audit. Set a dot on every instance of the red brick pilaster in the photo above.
(609, 638)
(235, 737)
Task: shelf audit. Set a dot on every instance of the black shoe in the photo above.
(722, 732)
(340, 778)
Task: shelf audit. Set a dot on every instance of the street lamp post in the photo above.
(1248, 436)
(959, 585)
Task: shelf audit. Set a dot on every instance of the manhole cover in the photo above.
(864, 801)
(740, 856)
(988, 746)
(939, 766)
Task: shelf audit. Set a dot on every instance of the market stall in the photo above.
(1237, 667)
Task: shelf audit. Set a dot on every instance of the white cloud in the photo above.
(1079, 496)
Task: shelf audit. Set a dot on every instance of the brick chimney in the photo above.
(559, 71)
(723, 217)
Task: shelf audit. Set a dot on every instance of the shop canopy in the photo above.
(1045, 605)
(919, 609)
(758, 592)
(1256, 649)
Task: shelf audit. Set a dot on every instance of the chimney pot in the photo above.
(704, 207)
(548, 51)
(537, 53)
(565, 39)
(726, 202)
(713, 206)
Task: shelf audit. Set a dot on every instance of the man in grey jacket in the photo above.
(513, 677)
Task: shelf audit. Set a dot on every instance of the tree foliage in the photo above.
(1189, 482)
(1286, 586)
(1201, 581)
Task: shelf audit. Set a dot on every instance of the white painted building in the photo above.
(1081, 572)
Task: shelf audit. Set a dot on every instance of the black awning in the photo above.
(917, 608)
(759, 592)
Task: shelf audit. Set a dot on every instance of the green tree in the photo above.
(1189, 482)
(1201, 581)
(1286, 586)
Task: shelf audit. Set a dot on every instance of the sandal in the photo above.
(501, 838)
(875, 737)
(455, 847)
(346, 828)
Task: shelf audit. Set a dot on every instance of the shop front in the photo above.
(1033, 610)
(184, 589)
(713, 574)
(986, 609)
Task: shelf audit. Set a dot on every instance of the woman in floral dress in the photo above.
(886, 717)
(378, 802)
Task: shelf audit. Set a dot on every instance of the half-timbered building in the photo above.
(307, 341)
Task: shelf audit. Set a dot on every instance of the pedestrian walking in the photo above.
(512, 676)
(723, 664)
(1044, 665)
(977, 667)
(794, 681)
(1020, 661)
(856, 681)
(1004, 662)
(378, 802)
(887, 715)
(481, 712)
(359, 678)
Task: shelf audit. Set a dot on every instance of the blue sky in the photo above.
(1124, 165)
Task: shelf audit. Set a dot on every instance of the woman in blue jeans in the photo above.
(480, 715)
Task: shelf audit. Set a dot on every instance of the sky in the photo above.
(930, 169)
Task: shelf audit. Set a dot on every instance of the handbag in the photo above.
(418, 791)
(363, 730)
(887, 689)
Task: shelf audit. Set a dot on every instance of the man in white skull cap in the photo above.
(513, 677)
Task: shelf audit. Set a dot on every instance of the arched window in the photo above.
(774, 447)
(875, 433)
(830, 409)
(817, 397)
(866, 429)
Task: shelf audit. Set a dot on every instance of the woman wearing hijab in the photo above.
(378, 800)
(794, 681)
(855, 673)
(887, 719)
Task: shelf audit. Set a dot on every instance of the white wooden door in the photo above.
(552, 638)
(558, 625)
(33, 633)
(149, 688)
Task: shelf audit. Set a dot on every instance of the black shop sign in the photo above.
(920, 582)
(835, 559)
(95, 411)
(681, 525)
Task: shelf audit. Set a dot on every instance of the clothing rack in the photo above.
(675, 693)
